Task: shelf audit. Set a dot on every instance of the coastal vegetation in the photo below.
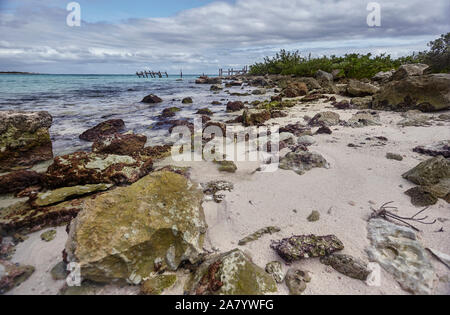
(353, 65)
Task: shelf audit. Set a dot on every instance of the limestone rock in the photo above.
(404, 71)
(306, 140)
(306, 246)
(157, 284)
(61, 194)
(429, 172)
(347, 265)
(358, 88)
(363, 119)
(314, 216)
(362, 102)
(394, 156)
(226, 166)
(83, 168)
(421, 196)
(301, 161)
(12, 275)
(207, 80)
(151, 99)
(130, 232)
(397, 250)
(106, 128)
(48, 236)
(19, 180)
(255, 117)
(24, 139)
(383, 76)
(59, 271)
(435, 149)
(324, 76)
(325, 119)
(414, 118)
(296, 281)
(119, 144)
(295, 89)
(258, 234)
(216, 87)
(231, 273)
(274, 268)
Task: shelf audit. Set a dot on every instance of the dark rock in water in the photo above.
(216, 103)
(306, 246)
(151, 99)
(421, 196)
(324, 130)
(156, 152)
(235, 106)
(19, 180)
(83, 168)
(24, 139)
(394, 156)
(103, 129)
(12, 275)
(347, 265)
(258, 234)
(362, 102)
(427, 93)
(204, 111)
(180, 122)
(169, 112)
(325, 119)
(435, 149)
(187, 100)
(216, 87)
(276, 98)
(296, 281)
(120, 144)
(429, 172)
(207, 80)
(205, 119)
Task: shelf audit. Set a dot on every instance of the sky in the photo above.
(201, 36)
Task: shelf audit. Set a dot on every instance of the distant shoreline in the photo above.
(16, 72)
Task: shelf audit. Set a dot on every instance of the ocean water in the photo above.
(79, 102)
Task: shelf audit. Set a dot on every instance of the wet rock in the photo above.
(59, 271)
(314, 216)
(306, 246)
(235, 106)
(297, 280)
(187, 100)
(12, 275)
(157, 219)
(216, 87)
(61, 194)
(24, 139)
(434, 149)
(226, 166)
(48, 236)
(106, 128)
(408, 70)
(155, 152)
(362, 102)
(119, 144)
(301, 161)
(152, 99)
(429, 172)
(231, 273)
(216, 103)
(397, 250)
(19, 180)
(325, 119)
(82, 168)
(255, 117)
(360, 89)
(258, 234)
(274, 268)
(157, 284)
(394, 156)
(347, 265)
(169, 112)
(259, 92)
(421, 196)
(363, 119)
(208, 80)
(426, 93)
(204, 111)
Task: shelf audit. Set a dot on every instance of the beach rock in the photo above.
(347, 265)
(325, 119)
(434, 149)
(157, 284)
(120, 144)
(232, 273)
(226, 166)
(156, 223)
(297, 129)
(324, 130)
(204, 111)
(61, 194)
(311, 83)
(306, 140)
(235, 106)
(258, 234)
(59, 271)
(306, 246)
(383, 76)
(216, 103)
(314, 216)
(19, 180)
(274, 268)
(362, 102)
(82, 168)
(358, 88)
(156, 152)
(414, 118)
(152, 99)
(12, 275)
(429, 172)
(187, 100)
(259, 92)
(24, 139)
(296, 281)
(207, 80)
(169, 112)
(295, 89)
(301, 161)
(216, 87)
(324, 76)
(364, 119)
(214, 187)
(407, 70)
(255, 117)
(421, 196)
(394, 156)
(106, 128)
(48, 236)
(344, 104)
(427, 93)
(397, 250)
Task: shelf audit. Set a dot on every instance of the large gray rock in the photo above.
(358, 88)
(322, 75)
(302, 161)
(408, 70)
(383, 76)
(435, 149)
(24, 139)
(397, 250)
(426, 93)
(429, 172)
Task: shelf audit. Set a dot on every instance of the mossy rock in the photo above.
(48, 236)
(61, 194)
(429, 172)
(156, 285)
(314, 216)
(227, 166)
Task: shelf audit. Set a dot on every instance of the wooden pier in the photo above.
(151, 74)
(231, 72)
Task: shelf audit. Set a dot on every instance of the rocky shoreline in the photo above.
(135, 221)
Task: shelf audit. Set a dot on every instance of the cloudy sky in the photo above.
(118, 36)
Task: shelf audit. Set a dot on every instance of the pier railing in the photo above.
(231, 72)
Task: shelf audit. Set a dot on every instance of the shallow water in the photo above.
(79, 102)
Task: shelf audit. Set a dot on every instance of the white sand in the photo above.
(342, 194)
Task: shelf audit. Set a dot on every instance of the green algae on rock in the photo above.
(347, 265)
(314, 216)
(306, 246)
(258, 234)
(296, 281)
(302, 161)
(231, 273)
(429, 172)
(121, 234)
(226, 166)
(48, 236)
(274, 268)
(157, 284)
(62, 194)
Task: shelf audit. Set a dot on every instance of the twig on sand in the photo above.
(385, 213)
